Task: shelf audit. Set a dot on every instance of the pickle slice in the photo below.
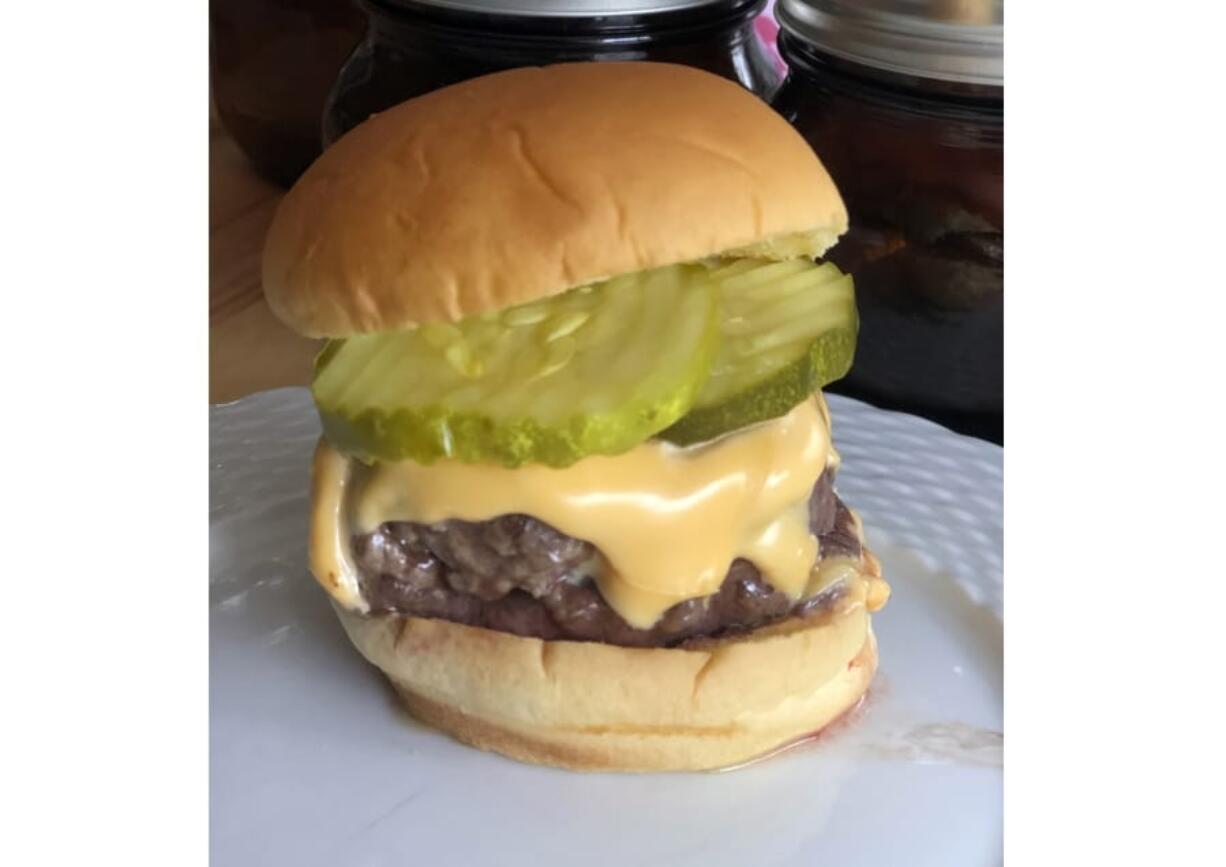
(596, 370)
(786, 329)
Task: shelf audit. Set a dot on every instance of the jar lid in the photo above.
(566, 8)
(949, 40)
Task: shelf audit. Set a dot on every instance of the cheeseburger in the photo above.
(575, 490)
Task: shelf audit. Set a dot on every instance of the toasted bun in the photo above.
(589, 706)
(523, 184)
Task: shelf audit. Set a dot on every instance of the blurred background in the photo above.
(901, 99)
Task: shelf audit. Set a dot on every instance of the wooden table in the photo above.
(249, 349)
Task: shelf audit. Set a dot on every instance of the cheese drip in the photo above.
(668, 520)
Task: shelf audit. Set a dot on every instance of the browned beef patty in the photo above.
(517, 574)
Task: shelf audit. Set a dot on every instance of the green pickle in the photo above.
(786, 329)
(595, 370)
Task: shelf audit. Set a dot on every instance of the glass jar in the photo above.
(272, 63)
(415, 46)
(903, 102)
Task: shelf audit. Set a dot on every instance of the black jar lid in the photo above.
(562, 8)
(949, 40)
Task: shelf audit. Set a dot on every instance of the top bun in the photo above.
(522, 184)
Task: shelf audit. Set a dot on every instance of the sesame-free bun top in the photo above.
(522, 184)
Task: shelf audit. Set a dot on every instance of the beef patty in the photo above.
(517, 574)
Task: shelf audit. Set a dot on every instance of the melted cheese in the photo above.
(668, 520)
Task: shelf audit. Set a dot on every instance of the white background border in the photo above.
(1114, 468)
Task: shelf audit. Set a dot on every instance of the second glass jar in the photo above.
(414, 47)
(914, 142)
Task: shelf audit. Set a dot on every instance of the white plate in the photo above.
(312, 763)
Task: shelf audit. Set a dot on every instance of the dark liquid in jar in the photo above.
(920, 166)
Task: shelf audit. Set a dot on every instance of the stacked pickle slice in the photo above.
(685, 352)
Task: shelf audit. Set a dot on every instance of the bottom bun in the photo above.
(601, 707)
